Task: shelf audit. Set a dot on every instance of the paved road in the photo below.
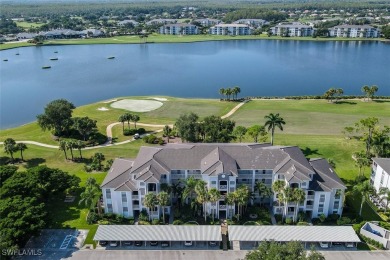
(206, 255)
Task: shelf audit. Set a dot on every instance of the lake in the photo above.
(83, 74)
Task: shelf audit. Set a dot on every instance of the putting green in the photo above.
(137, 105)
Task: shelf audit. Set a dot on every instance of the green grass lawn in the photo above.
(313, 117)
(158, 38)
(27, 25)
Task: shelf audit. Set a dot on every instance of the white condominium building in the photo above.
(179, 29)
(354, 31)
(230, 29)
(224, 167)
(252, 22)
(292, 30)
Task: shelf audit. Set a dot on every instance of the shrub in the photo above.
(333, 217)
(315, 221)
(289, 221)
(155, 221)
(119, 219)
(150, 139)
(343, 221)
(143, 216)
(372, 242)
(103, 222)
(128, 132)
(160, 141)
(302, 223)
(177, 222)
(278, 217)
(141, 131)
(322, 218)
(142, 222)
(92, 218)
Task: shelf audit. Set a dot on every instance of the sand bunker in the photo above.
(103, 109)
(137, 105)
(159, 99)
(110, 101)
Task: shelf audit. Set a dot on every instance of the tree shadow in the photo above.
(4, 160)
(381, 101)
(308, 151)
(346, 102)
(34, 162)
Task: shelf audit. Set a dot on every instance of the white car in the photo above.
(114, 243)
(188, 243)
(324, 244)
(349, 244)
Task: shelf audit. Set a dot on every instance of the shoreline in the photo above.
(164, 39)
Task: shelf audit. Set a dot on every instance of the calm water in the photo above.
(83, 74)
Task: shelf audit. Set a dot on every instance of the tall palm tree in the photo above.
(222, 92)
(70, 144)
(80, 145)
(202, 196)
(91, 182)
(135, 119)
(10, 147)
(237, 90)
(288, 197)
(263, 190)
(230, 200)
(167, 132)
(384, 192)
(128, 118)
(163, 201)
(299, 197)
(278, 187)
(122, 119)
(214, 196)
(228, 93)
(98, 158)
(364, 189)
(150, 202)
(272, 121)
(21, 147)
(91, 197)
(63, 147)
(189, 188)
(242, 198)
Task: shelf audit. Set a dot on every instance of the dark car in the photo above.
(165, 244)
(337, 243)
(103, 243)
(127, 243)
(153, 243)
(138, 243)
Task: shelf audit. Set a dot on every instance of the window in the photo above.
(109, 208)
(163, 176)
(124, 198)
(320, 209)
(213, 182)
(303, 184)
(336, 204)
(232, 183)
(125, 210)
(108, 193)
(322, 198)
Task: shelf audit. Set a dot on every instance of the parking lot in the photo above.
(334, 246)
(158, 245)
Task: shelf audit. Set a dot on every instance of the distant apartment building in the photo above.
(354, 31)
(252, 22)
(224, 167)
(125, 22)
(161, 21)
(292, 30)
(179, 29)
(25, 36)
(207, 22)
(230, 29)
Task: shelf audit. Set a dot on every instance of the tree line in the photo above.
(335, 94)
(230, 93)
(23, 201)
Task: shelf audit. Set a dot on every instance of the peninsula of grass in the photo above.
(159, 38)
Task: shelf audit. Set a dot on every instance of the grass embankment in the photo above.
(313, 125)
(158, 38)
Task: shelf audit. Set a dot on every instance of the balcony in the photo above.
(223, 207)
(177, 176)
(309, 207)
(310, 197)
(223, 187)
(134, 197)
(222, 197)
(136, 207)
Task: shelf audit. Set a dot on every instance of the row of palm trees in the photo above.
(230, 93)
(70, 145)
(161, 199)
(286, 194)
(127, 117)
(10, 147)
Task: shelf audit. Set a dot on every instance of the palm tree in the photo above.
(230, 200)
(288, 197)
(62, 147)
(189, 189)
(150, 202)
(21, 147)
(242, 198)
(91, 182)
(202, 196)
(122, 119)
(128, 118)
(361, 160)
(163, 201)
(135, 119)
(264, 190)
(228, 93)
(70, 145)
(369, 91)
(10, 147)
(274, 120)
(91, 197)
(167, 132)
(384, 192)
(214, 196)
(239, 132)
(278, 187)
(364, 189)
(339, 92)
(237, 90)
(80, 145)
(299, 197)
(98, 158)
(222, 92)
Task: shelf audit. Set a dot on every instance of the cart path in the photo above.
(109, 132)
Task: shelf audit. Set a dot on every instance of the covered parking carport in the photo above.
(249, 237)
(175, 235)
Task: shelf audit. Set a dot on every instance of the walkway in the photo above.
(109, 132)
